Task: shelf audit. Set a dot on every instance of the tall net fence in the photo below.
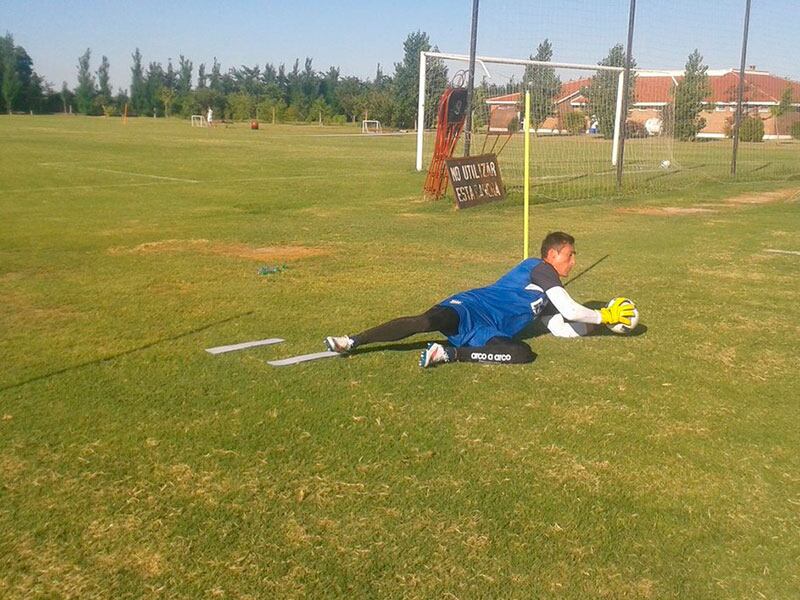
(682, 94)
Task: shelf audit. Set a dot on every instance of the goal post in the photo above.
(371, 126)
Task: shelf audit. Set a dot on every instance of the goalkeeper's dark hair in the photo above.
(556, 240)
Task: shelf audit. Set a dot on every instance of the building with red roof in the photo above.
(654, 91)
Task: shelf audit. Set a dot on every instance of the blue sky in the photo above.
(356, 36)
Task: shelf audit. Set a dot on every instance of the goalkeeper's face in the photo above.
(562, 260)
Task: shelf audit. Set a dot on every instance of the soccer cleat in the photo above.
(340, 344)
(432, 355)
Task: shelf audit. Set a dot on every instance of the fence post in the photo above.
(626, 86)
(471, 79)
(740, 94)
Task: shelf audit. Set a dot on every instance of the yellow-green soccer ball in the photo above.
(619, 328)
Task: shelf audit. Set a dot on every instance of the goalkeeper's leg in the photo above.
(498, 350)
(437, 318)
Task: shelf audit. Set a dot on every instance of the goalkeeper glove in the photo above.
(617, 312)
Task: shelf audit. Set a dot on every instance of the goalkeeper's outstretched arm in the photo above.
(616, 312)
(571, 310)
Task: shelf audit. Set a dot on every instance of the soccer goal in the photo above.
(575, 125)
(199, 121)
(371, 126)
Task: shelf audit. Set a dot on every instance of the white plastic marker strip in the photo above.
(783, 252)
(243, 345)
(302, 358)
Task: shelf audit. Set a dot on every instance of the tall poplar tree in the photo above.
(86, 90)
(138, 91)
(543, 84)
(602, 91)
(689, 95)
(11, 85)
(104, 89)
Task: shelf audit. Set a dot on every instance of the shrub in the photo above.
(291, 114)
(795, 130)
(727, 129)
(751, 130)
(339, 120)
(241, 106)
(635, 129)
(265, 109)
(575, 122)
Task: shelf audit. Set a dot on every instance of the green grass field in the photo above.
(134, 464)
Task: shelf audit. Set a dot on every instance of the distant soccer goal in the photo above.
(371, 126)
(576, 125)
(199, 121)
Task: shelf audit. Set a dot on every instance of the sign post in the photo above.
(475, 179)
(527, 175)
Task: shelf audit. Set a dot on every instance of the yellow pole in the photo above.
(526, 182)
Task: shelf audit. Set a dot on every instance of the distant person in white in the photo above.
(209, 115)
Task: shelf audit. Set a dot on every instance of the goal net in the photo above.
(576, 125)
(199, 121)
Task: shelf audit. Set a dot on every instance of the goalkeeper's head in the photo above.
(558, 250)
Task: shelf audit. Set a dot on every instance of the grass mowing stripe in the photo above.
(100, 186)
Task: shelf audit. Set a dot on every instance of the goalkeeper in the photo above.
(481, 324)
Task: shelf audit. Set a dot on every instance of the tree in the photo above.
(198, 101)
(201, 76)
(319, 110)
(171, 77)
(24, 80)
(103, 87)
(248, 80)
(480, 110)
(86, 89)
(241, 106)
(351, 95)
(138, 85)
(66, 96)
(154, 81)
(215, 79)
(406, 79)
(167, 97)
(575, 122)
(103, 99)
(328, 87)
(543, 84)
(270, 106)
(602, 91)
(688, 101)
(11, 85)
(784, 107)
(184, 84)
(37, 93)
